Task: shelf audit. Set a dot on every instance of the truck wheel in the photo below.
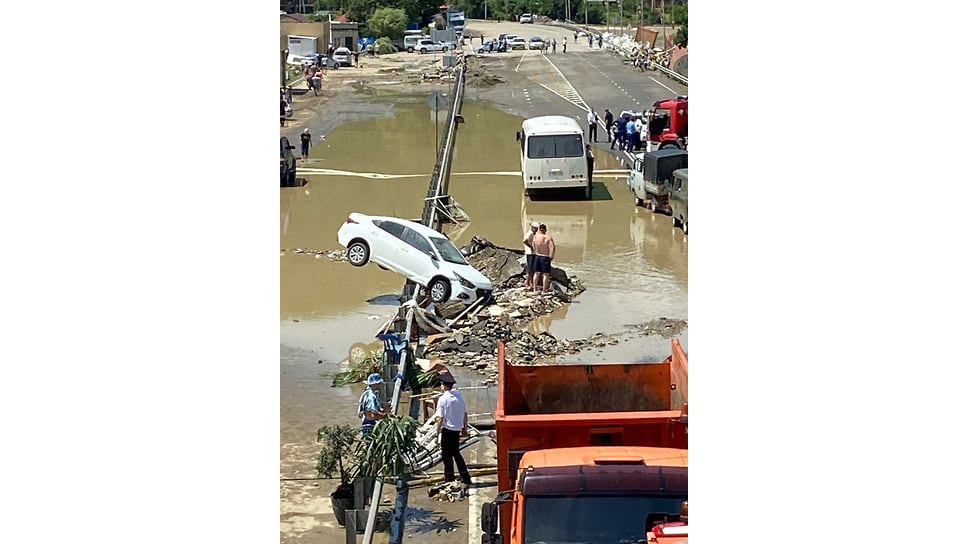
(410, 50)
(685, 227)
(639, 202)
(675, 222)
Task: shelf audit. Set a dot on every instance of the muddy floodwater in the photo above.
(633, 263)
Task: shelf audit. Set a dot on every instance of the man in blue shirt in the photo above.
(371, 408)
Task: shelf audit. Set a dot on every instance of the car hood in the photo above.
(472, 275)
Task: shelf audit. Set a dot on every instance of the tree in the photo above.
(389, 22)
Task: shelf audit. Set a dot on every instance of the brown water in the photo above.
(633, 263)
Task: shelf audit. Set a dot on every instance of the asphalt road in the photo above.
(567, 83)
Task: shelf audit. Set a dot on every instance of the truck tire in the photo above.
(410, 49)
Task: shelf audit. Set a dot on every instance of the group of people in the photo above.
(285, 104)
(450, 419)
(314, 78)
(539, 251)
(630, 131)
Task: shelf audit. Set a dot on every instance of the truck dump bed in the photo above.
(616, 404)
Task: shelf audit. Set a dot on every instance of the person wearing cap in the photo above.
(307, 141)
(529, 255)
(371, 407)
(451, 420)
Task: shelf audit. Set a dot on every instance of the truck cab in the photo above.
(650, 176)
(669, 123)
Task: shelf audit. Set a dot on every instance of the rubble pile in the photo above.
(472, 342)
(448, 492)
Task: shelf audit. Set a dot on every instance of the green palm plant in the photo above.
(392, 447)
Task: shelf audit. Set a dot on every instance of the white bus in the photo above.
(552, 153)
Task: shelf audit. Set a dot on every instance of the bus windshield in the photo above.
(552, 146)
(595, 519)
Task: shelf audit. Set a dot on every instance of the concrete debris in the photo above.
(448, 492)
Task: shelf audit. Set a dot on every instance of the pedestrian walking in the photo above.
(451, 420)
(599, 41)
(576, 37)
(590, 38)
(371, 407)
(282, 112)
(590, 161)
(554, 46)
(592, 125)
(289, 94)
(609, 121)
(544, 248)
(529, 256)
(564, 45)
(307, 141)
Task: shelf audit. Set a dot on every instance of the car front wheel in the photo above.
(358, 253)
(439, 290)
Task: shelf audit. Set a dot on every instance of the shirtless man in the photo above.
(544, 249)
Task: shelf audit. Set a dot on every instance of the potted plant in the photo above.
(339, 456)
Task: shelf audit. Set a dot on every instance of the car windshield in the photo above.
(448, 251)
(598, 520)
(559, 145)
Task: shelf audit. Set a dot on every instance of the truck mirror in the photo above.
(517, 136)
(489, 517)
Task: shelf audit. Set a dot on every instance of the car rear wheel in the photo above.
(423, 50)
(358, 254)
(439, 290)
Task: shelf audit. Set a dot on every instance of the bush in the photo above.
(385, 45)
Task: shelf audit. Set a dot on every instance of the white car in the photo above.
(343, 56)
(526, 18)
(517, 43)
(420, 253)
(425, 46)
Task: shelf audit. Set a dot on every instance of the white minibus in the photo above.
(552, 153)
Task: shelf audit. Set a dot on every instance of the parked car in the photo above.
(526, 18)
(517, 43)
(410, 42)
(287, 163)
(535, 43)
(489, 46)
(679, 199)
(343, 56)
(423, 255)
(425, 46)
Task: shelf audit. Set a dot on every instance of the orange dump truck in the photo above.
(589, 453)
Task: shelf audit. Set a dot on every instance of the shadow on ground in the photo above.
(422, 521)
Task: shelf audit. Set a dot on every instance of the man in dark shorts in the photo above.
(306, 140)
(544, 248)
(529, 256)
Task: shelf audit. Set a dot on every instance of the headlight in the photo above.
(464, 282)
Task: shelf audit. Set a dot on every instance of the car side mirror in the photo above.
(433, 256)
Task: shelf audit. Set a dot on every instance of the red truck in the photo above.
(669, 122)
(589, 453)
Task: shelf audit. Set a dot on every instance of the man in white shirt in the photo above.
(451, 420)
(592, 125)
(529, 256)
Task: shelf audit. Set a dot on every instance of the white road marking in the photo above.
(474, 503)
(522, 59)
(377, 175)
(667, 88)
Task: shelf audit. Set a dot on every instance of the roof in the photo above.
(551, 124)
(426, 231)
(296, 18)
(593, 455)
(341, 19)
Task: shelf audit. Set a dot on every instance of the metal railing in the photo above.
(440, 180)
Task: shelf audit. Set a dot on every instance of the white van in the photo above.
(552, 153)
(410, 40)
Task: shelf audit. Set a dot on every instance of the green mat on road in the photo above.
(599, 192)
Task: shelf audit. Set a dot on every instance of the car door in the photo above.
(387, 239)
(415, 255)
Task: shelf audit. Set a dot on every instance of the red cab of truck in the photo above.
(669, 122)
(589, 452)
